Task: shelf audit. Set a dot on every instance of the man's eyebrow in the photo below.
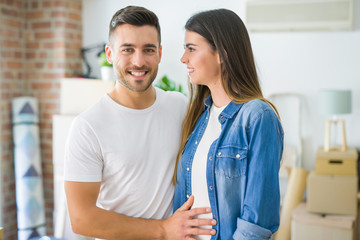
(127, 45)
(149, 45)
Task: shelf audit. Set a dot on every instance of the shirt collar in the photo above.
(231, 109)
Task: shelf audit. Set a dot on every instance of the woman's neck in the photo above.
(219, 96)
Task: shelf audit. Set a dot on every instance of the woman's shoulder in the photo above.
(256, 106)
(255, 109)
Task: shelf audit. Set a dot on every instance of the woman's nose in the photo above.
(183, 59)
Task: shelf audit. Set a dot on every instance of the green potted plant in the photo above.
(106, 68)
(168, 85)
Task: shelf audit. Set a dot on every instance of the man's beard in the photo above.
(123, 81)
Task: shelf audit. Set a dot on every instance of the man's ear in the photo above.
(108, 53)
(160, 53)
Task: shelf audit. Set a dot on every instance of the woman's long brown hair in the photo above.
(226, 34)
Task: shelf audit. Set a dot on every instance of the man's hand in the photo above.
(182, 225)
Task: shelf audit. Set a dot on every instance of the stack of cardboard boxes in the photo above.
(331, 208)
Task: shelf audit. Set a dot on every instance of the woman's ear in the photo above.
(219, 59)
(108, 53)
(225, 56)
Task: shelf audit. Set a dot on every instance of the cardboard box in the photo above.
(337, 162)
(332, 194)
(310, 226)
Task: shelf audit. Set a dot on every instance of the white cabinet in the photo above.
(299, 15)
(76, 95)
(61, 125)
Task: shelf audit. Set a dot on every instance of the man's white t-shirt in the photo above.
(131, 152)
(199, 186)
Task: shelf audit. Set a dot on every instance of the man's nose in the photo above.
(138, 59)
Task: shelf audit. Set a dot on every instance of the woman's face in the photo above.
(202, 62)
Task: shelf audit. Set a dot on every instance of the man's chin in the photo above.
(137, 88)
(136, 85)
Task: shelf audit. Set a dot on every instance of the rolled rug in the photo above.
(28, 172)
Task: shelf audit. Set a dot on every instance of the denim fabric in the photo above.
(242, 170)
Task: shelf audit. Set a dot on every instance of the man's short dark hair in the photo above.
(134, 15)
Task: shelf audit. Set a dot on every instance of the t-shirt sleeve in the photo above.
(185, 104)
(83, 158)
(182, 102)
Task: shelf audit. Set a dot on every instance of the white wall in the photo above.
(300, 62)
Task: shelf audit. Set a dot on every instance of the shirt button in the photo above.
(211, 187)
(237, 155)
(214, 214)
(219, 153)
(187, 196)
(196, 142)
(221, 117)
(210, 158)
(187, 169)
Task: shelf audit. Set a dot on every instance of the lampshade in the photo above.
(333, 102)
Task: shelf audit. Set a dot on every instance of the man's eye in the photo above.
(149, 50)
(127, 50)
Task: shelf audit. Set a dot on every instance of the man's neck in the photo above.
(131, 99)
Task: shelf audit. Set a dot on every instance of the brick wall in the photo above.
(40, 43)
(12, 78)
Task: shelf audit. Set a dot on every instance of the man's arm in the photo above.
(89, 220)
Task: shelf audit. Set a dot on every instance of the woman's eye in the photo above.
(191, 49)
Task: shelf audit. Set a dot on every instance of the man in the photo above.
(120, 153)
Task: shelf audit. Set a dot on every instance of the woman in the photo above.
(232, 139)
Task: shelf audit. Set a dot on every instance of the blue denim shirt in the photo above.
(242, 170)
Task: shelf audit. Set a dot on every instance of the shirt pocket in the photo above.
(231, 161)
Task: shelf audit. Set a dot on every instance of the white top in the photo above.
(198, 173)
(131, 152)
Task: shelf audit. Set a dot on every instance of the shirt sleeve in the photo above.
(260, 216)
(83, 161)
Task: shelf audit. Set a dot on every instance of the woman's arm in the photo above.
(260, 216)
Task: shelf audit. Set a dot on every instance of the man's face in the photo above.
(135, 53)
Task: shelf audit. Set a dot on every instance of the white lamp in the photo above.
(333, 103)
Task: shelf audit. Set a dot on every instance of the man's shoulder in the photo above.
(172, 96)
(93, 115)
(96, 109)
(172, 103)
